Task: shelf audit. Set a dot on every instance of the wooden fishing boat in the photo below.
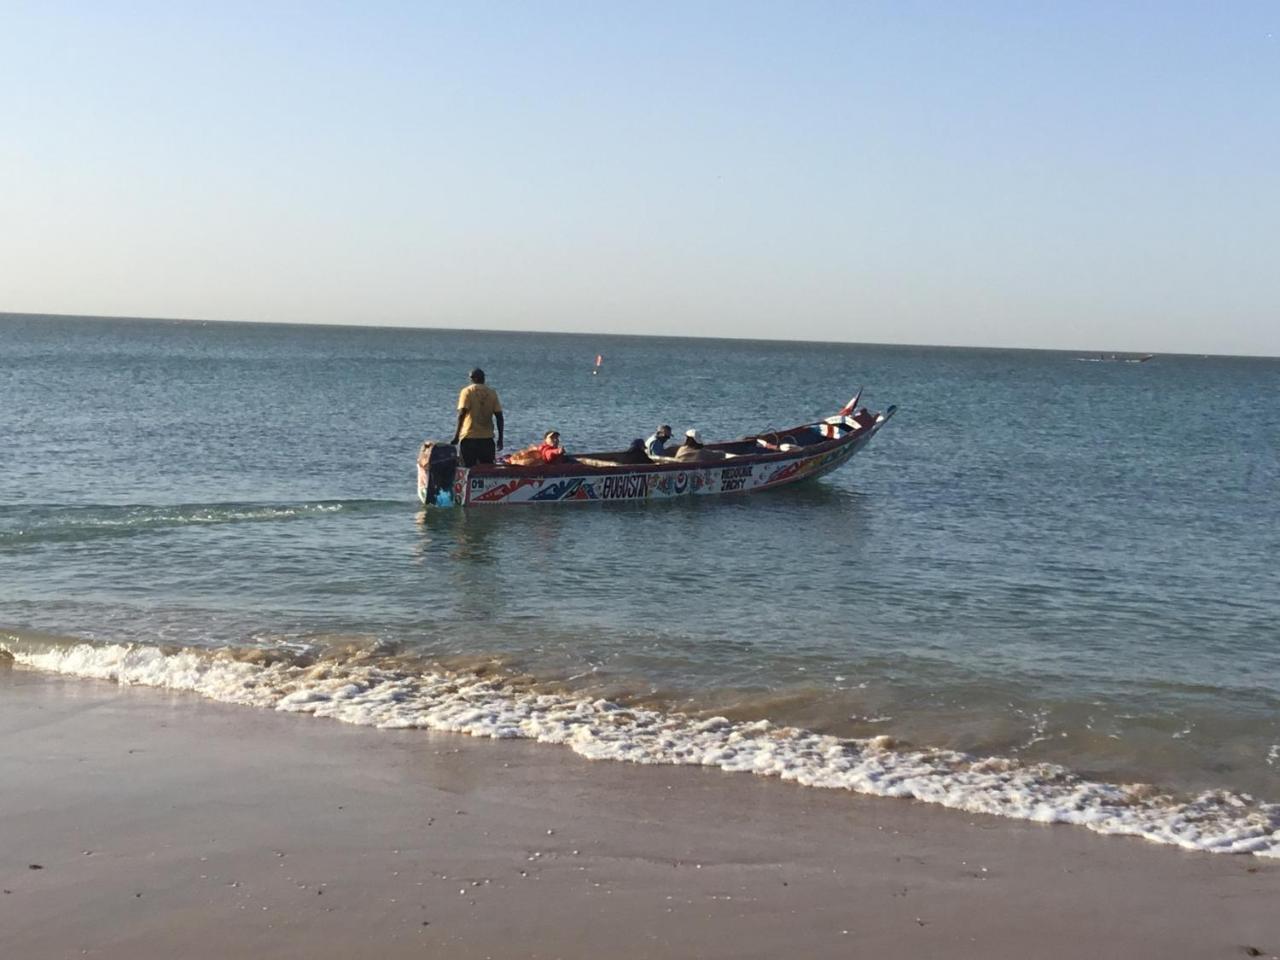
(761, 461)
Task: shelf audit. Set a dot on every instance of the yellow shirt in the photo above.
(480, 402)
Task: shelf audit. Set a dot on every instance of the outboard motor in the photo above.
(437, 463)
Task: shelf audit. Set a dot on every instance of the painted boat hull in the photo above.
(577, 482)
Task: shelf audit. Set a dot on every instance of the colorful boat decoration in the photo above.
(761, 461)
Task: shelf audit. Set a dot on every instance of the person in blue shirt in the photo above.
(656, 445)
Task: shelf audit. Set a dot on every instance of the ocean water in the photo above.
(1047, 589)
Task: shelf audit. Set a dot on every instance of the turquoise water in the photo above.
(1038, 558)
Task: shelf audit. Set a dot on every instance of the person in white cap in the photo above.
(693, 448)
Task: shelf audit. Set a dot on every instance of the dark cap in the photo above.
(477, 375)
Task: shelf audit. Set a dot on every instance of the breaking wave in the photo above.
(372, 686)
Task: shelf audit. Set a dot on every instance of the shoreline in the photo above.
(390, 693)
(166, 824)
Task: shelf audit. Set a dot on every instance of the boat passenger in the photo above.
(656, 445)
(478, 408)
(635, 453)
(551, 451)
(693, 448)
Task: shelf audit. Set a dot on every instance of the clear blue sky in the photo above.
(1080, 175)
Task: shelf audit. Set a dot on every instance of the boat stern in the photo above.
(438, 474)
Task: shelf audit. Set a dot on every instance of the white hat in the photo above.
(693, 435)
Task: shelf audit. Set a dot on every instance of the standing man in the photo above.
(478, 407)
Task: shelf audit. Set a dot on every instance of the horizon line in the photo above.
(589, 333)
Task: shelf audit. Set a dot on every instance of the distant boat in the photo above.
(1117, 358)
(599, 360)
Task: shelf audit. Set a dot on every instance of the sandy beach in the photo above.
(137, 823)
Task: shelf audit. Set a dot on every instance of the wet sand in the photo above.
(163, 825)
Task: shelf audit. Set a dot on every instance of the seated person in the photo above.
(635, 453)
(656, 445)
(693, 448)
(551, 451)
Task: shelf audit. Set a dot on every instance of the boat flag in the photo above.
(848, 408)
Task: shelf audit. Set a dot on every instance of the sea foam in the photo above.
(39, 523)
(370, 689)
